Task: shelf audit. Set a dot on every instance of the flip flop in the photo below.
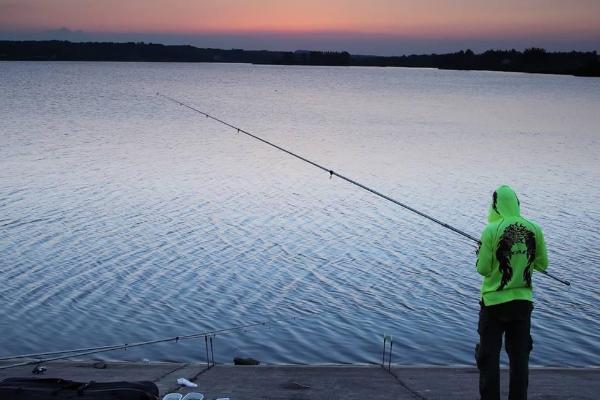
(172, 396)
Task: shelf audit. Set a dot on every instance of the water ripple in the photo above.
(124, 218)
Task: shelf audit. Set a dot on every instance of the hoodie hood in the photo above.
(504, 204)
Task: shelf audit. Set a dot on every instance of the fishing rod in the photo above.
(62, 354)
(345, 178)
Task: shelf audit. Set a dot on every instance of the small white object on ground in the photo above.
(193, 396)
(223, 398)
(185, 382)
(173, 396)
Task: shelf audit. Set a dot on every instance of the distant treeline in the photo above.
(531, 60)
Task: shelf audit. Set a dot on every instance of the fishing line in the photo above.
(345, 178)
(72, 353)
(125, 346)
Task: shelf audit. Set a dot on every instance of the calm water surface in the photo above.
(125, 217)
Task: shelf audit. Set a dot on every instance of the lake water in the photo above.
(126, 217)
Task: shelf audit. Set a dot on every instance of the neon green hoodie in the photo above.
(511, 248)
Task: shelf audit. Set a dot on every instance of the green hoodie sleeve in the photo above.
(541, 255)
(485, 255)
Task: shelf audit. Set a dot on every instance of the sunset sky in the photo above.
(359, 26)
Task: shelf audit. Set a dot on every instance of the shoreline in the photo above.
(531, 60)
(327, 381)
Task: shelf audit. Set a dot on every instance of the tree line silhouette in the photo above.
(533, 59)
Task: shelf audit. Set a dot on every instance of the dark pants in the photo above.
(514, 320)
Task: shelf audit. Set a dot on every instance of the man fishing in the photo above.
(511, 248)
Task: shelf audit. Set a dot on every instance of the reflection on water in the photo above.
(126, 217)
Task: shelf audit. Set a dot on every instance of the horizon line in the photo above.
(355, 42)
(464, 50)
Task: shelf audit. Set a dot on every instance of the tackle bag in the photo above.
(59, 389)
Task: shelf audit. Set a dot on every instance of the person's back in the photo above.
(511, 248)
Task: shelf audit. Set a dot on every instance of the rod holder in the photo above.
(386, 339)
(206, 346)
(212, 352)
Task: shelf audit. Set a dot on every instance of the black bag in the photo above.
(59, 389)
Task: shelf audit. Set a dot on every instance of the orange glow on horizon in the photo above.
(409, 18)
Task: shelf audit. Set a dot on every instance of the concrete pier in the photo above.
(323, 382)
